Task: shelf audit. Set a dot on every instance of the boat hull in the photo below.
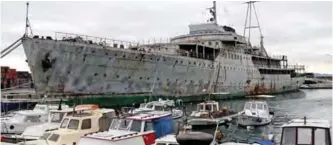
(85, 69)
(253, 121)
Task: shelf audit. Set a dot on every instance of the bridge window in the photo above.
(86, 124)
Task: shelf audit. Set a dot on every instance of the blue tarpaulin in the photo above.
(163, 126)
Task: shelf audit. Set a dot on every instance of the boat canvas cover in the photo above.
(163, 126)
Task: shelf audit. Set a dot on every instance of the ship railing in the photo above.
(280, 57)
(94, 40)
(295, 67)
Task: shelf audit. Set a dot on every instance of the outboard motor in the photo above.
(193, 138)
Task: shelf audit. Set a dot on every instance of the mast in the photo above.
(249, 27)
(27, 23)
(212, 11)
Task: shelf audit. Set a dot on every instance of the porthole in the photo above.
(167, 79)
(151, 58)
(117, 76)
(95, 74)
(104, 75)
(136, 57)
(129, 77)
(140, 78)
(124, 56)
(106, 53)
(158, 78)
(181, 62)
(189, 62)
(68, 72)
(93, 51)
(158, 59)
(115, 54)
(147, 78)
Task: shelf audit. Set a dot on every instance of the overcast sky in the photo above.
(300, 30)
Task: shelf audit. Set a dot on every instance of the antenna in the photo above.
(212, 11)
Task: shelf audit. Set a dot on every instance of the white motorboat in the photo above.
(141, 129)
(17, 123)
(298, 132)
(86, 119)
(158, 106)
(36, 131)
(256, 111)
(209, 113)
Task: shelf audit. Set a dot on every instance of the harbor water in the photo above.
(316, 104)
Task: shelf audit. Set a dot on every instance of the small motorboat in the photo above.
(255, 113)
(85, 119)
(208, 113)
(297, 132)
(20, 120)
(158, 106)
(141, 129)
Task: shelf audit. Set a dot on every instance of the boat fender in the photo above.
(192, 138)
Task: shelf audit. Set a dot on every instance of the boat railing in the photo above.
(94, 40)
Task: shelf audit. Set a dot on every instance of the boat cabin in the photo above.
(256, 105)
(208, 106)
(139, 129)
(306, 132)
(86, 119)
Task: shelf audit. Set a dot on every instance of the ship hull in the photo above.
(77, 68)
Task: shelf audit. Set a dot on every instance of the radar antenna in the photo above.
(251, 5)
(212, 11)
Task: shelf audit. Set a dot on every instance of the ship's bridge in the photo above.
(210, 34)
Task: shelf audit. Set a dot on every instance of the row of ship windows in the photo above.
(147, 78)
(182, 62)
(228, 55)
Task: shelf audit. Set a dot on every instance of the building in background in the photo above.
(10, 78)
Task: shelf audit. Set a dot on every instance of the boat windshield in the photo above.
(124, 124)
(56, 117)
(19, 117)
(73, 124)
(142, 105)
(120, 124)
(305, 136)
(64, 123)
(136, 126)
(54, 137)
(159, 108)
(45, 135)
